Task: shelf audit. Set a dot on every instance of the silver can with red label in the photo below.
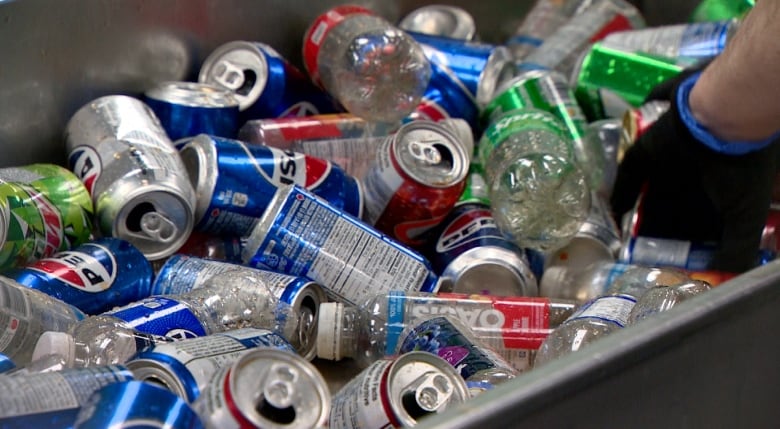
(266, 388)
(419, 174)
(397, 392)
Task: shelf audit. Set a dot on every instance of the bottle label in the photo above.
(613, 309)
(361, 403)
(396, 302)
(517, 122)
(161, 316)
(14, 321)
(668, 252)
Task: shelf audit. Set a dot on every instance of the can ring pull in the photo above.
(432, 390)
(229, 75)
(158, 227)
(427, 151)
(279, 389)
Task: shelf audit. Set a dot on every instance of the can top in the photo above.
(239, 66)
(494, 269)
(194, 94)
(430, 154)
(440, 20)
(430, 381)
(306, 303)
(150, 370)
(277, 389)
(199, 156)
(500, 67)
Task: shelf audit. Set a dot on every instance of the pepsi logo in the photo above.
(467, 228)
(85, 163)
(180, 334)
(296, 168)
(81, 270)
(299, 110)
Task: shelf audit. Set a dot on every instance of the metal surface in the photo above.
(709, 362)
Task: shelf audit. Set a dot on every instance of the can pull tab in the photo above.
(277, 399)
(158, 227)
(229, 75)
(431, 391)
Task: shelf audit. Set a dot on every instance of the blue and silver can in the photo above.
(182, 273)
(303, 235)
(265, 83)
(6, 364)
(190, 108)
(161, 315)
(53, 399)
(481, 67)
(234, 182)
(93, 277)
(135, 404)
(186, 367)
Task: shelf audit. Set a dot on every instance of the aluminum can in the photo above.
(160, 315)
(608, 81)
(667, 252)
(265, 83)
(266, 388)
(448, 338)
(639, 119)
(446, 97)
(137, 180)
(93, 277)
(480, 67)
(419, 174)
(217, 247)
(343, 139)
(440, 20)
(53, 399)
(303, 235)
(44, 209)
(184, 273)
(135, 404)
(235, 181)
(6, 364)
(186, 367)
(190, 108)
(396, 392)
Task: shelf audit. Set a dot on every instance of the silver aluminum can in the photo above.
(266, 388)
(396, 392)
(137, 180)
(508, 272)
(440, 20)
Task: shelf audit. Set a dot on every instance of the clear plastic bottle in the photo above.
(226, 302)
(563, 281)
(512, 326)
(376, 70)
(637, 280)
(594, 320)
(25, 314)
(662, 298)
(539, 196)
(563, 48)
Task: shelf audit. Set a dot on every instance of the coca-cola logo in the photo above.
(81, 270)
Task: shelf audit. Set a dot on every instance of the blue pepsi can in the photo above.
(303, 235)
(186, 367)
(182, 273)
(53, 399)
(447, 97)
(6, 364)
(93, 277)
(234, 182)
(265, 83)
(481, 67)
(135, 404)
(190, 108)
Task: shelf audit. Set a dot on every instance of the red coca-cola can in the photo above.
(418, 176)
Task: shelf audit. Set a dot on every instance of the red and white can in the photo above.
(418, 176)
(395, 392)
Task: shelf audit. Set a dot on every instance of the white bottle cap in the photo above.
(59, 343)
(329, 325)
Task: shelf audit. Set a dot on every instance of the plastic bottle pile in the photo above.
(439, 226)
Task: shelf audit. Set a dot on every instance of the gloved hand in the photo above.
(696, 187)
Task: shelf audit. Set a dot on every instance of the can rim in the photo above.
(498, 65)
(255, 60)
(144, 368)
(315, 291)
(499, 257)
(193, 94)
(460, 159)
(464, 27)
(199, 156)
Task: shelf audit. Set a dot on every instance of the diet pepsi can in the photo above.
(396, 392)
(266, 388)
(183, 273)
(266, 84)
(53, 399)
(302, 235)
(186, 367)
(93, 277)
(189, 108)
(137, 180)
(418, 176)
(235, 181)
(135, 404)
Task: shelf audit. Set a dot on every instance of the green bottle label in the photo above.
(720, 10)
(519, 121)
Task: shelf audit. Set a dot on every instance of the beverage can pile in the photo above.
(412, 219)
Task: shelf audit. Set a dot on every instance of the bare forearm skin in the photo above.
(737, 97)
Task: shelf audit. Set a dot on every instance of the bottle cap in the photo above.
(329, 330)
(57, 343)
